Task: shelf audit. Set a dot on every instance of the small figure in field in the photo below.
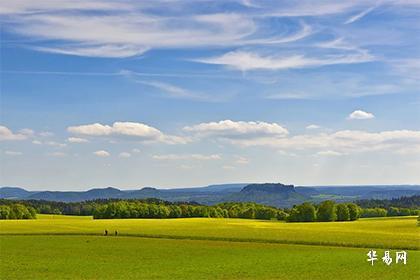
(116, 233)
(106, 232)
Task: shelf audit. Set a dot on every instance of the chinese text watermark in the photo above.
(400, 257)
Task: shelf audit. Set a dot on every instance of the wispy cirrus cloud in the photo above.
(359, 15)
(132, 28)
(244, 60)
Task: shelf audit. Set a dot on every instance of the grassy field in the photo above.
(58, 247)
(387, 233)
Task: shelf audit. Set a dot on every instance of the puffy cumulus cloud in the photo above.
(135, 130)
(101, 153)
(95, 129)
(238, 129)
(7, 135)
(77, 140)
(360, 115)
(187, 157)
(124, 155)
(313, 126)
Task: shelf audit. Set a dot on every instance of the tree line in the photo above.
(17, 211)
(153, 209)
(410, 202)
(136, 209)
(159, 209)
(328, 211)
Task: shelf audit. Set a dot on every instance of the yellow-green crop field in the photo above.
(60, 247)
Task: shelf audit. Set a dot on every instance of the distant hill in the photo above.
(274, 194)
(13, 193)
(78, 196)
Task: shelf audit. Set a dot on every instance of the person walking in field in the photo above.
(116, 233)
(106, 232)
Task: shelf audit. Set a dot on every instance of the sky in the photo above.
(175, 93)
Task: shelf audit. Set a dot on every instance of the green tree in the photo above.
(354, 211)
(343, 213)
(302, 213)
(4, 212)
(373, 212)
(327, 211)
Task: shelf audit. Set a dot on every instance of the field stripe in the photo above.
(227, 239)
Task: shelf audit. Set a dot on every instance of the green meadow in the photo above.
(60, 247)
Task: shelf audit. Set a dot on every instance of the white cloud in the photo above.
(124, 155)
(37, 142)
(77, 140)
(7, 135)
(28, 6)
(175, 91)
(344, 142)
(135, 150)
(245, 60)
(238, 129)
(187, 157)
(313, 126)
(241, 160)
(13, 153)
(55, 144)
(131, 28)
(26, 131)
(360, 115)
(134, 130)
(95, 129)
(97, 50)
(102, 153)
(329, 153)
(288, 96)
(57, 154)
(359, 15)
(46, 134)
(228, 167)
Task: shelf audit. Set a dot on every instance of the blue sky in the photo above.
(174, 93)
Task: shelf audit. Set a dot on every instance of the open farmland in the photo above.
(204, 248)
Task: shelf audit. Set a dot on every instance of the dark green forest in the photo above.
(325, 211)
